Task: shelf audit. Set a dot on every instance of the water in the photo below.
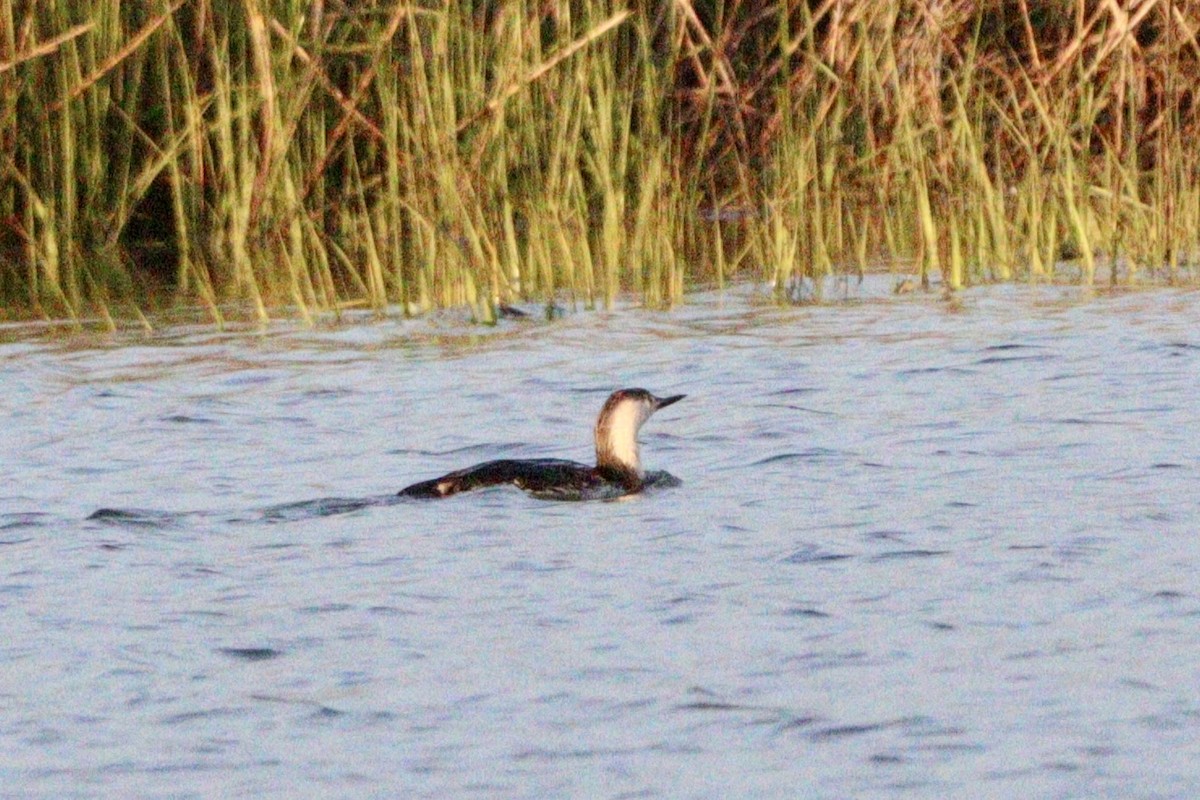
(922, 549)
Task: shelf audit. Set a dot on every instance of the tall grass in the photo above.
(305, 157)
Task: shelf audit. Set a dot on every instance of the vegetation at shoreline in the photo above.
(306, 157)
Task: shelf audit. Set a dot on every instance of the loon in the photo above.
(618, 469)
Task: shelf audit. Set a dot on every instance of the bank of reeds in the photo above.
(320, 155)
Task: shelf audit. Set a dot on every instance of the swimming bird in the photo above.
(618, 469)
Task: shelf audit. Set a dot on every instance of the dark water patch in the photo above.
(763, 715)
(326, 608)
(806, 409)
(1082, 549)
(1008, 354)
(708, 701)
(1044, 572)
(390, 611)
(899, 555)
(813, 554)
(484, 448)
(324, 394)
(887, 535)
(323, 507)
(916, 727)
(134, 517)
(1138, 411)
(525, 565)
(187, 419)
(320, 710)
(887, 759)
(948, 370)
(277, 546)
(806, 612)
(1008, 346)
(941, 425)
(250, 653)
(209, 713)
(255, 378)
(1012, 359)
(717, 439)
(1073, 421)
(711, 705)
(341, 544)
(1122, 475)
(21, 520)
(91, 470)
(197, 571)
(1172, 348)
(846, 731)
(271, 420)
(571, 754)
(795, 722)
(1062, 377)
(822, 660)
(811, 454)
(201, 614)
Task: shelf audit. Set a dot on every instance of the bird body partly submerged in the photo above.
(618, 469)
(546, 478)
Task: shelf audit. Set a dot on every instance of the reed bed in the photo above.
(294, 157)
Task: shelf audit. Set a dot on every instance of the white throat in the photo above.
(616, 437)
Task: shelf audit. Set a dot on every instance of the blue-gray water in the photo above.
(922, 550)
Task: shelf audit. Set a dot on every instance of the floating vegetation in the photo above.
(310, 157)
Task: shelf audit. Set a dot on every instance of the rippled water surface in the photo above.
(922, 549)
